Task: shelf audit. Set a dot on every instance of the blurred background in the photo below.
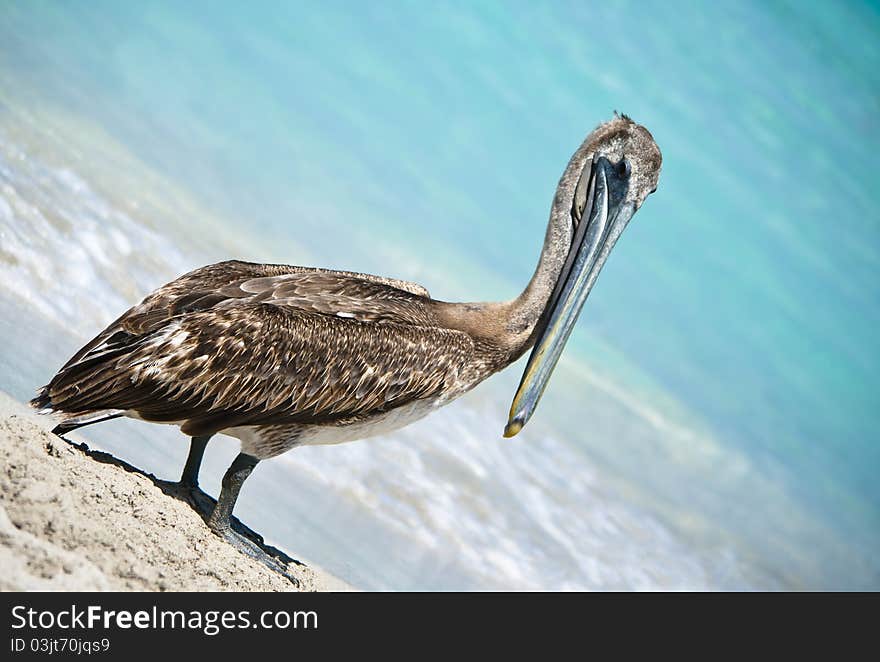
(714, 422)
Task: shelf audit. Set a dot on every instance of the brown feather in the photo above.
(245, 344)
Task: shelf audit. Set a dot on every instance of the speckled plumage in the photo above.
(240, 345)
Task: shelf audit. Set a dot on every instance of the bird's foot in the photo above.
(192, 495)
(201, 502)
(270, 557)
(240, 536)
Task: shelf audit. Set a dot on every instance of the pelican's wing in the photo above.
(306, 347)
(259, 363)
(207, 286)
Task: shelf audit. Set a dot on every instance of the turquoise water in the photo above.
(720, 396)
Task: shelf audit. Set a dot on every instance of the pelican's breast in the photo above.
(267, 441)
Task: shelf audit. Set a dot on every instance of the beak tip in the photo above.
(512, 428)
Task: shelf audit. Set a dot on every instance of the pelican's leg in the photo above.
(189, 479)
(190, 476)
(221, 519)
(230, 487)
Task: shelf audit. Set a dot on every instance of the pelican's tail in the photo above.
(71, 421)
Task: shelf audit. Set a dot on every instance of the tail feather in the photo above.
(43, 403)
(81, 421)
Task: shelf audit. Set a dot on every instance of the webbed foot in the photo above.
(270, 557)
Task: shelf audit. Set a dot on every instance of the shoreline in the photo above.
(74, 519)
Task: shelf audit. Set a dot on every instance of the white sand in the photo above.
(72, 520)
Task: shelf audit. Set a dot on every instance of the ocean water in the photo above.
(713, 422)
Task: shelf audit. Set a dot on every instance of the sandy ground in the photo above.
(75, 519)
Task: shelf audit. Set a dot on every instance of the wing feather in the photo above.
(239, 341)
(209, 286)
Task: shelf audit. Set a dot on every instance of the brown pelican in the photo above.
(283, 356)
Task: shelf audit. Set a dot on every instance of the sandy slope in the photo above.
(73, 519)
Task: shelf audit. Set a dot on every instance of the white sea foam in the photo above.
(67, 251)
(528, 514)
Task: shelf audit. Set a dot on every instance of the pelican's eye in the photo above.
(624, 169)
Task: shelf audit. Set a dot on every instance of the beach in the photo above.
(77, 520)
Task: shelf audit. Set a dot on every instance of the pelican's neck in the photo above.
(525, 311)
(513, 326)
(524, 314)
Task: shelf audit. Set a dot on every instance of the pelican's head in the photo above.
(605, 183)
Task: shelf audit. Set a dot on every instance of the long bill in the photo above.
(594, 238)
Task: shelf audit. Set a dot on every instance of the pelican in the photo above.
(283, 356)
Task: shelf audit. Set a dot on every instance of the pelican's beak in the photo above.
(600, 194)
